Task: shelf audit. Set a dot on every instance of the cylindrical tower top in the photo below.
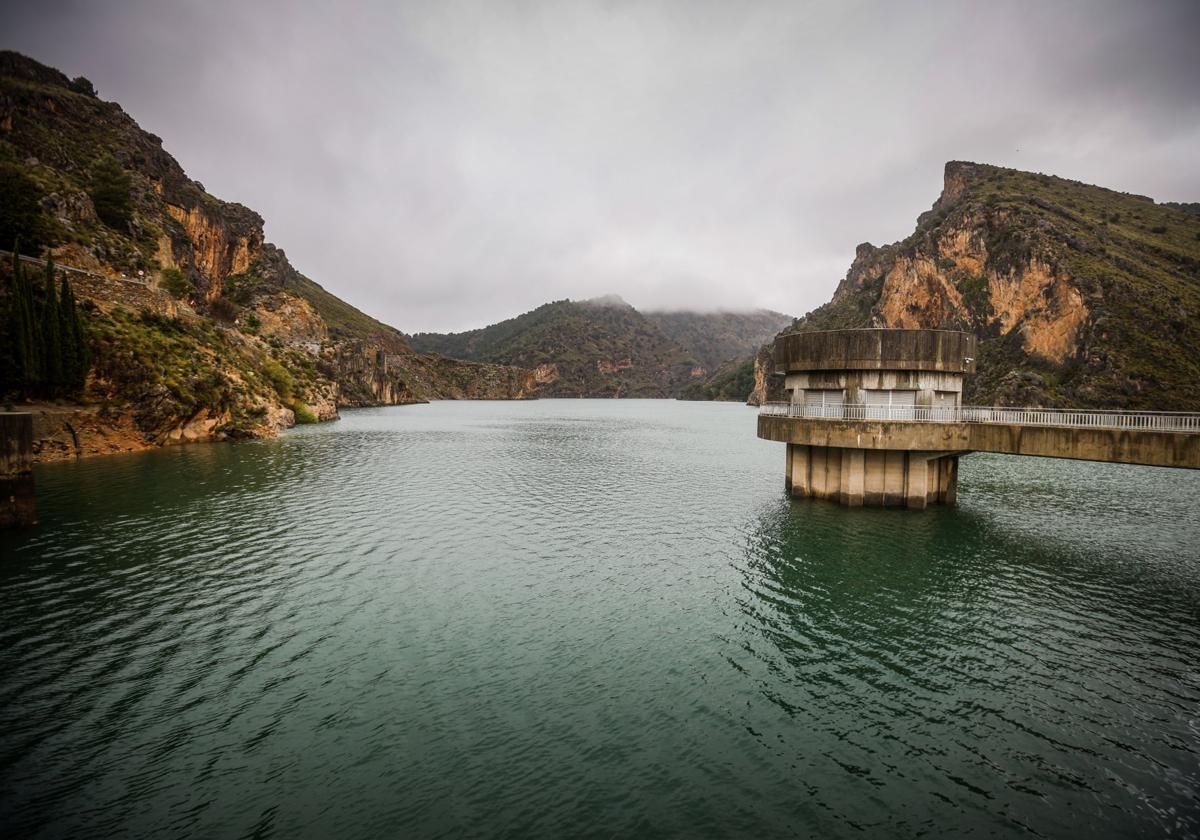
(950, 351)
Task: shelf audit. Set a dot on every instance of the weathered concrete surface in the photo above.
(928, 385)
(1121, 446)
(865, 434)
(16, 470)
(901, 350)
(872, 477)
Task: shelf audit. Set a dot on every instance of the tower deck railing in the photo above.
(1086, 418)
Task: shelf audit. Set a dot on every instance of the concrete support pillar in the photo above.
(893, 478)
(798, 483)
(16, 470)
(948, 479)
(916, 484)
(853, 475)
(952, 488)
(874, 469)
(872, 477)
(818, 468)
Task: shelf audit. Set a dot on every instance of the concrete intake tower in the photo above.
(875, 417)
(864, 385)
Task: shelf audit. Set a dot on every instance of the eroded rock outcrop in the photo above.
(1080, 295)
(768, 385)
(218, 239)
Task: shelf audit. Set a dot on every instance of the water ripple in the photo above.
(592, 618)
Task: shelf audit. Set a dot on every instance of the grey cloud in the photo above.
(445, 165)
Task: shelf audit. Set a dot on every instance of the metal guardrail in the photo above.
(1153, 421)
(141, 281)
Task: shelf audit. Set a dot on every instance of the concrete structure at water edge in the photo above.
(848, 386)
(16, 470)
(875, 417)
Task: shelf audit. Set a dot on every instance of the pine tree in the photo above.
(51, 336)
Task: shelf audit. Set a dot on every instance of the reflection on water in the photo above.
(592, 617)
(959, 660)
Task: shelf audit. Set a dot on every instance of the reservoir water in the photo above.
(592, 618)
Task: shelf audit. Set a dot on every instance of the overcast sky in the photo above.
(445, 165)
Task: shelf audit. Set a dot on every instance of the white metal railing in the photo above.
(141, 281)
(1154, 421)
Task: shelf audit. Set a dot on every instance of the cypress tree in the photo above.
(70, 351)
(52, 350)
(24, 327)
(10, 374)
(77, 358)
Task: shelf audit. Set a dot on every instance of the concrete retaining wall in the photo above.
(16, 470)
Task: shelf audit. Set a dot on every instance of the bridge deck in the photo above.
(1164, 439)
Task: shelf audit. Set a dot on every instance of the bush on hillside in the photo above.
(177, 283)
(110, 193)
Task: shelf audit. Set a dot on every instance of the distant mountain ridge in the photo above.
(1081, 296)
(716, 338)
(603, 347)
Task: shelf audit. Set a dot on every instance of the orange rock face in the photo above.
(1042, 304)
(1034, 298)
(216, 251)
(916, 292)
(291, 318)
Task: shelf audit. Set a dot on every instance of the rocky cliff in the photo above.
(200, 328)
(1081, 296)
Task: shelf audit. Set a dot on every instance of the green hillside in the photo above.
(716, 338)
(595, 348)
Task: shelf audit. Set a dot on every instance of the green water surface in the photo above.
(592, 618)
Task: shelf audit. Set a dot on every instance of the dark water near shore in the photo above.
(592, 618)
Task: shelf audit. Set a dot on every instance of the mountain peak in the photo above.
(958, 177)
(607, 300)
